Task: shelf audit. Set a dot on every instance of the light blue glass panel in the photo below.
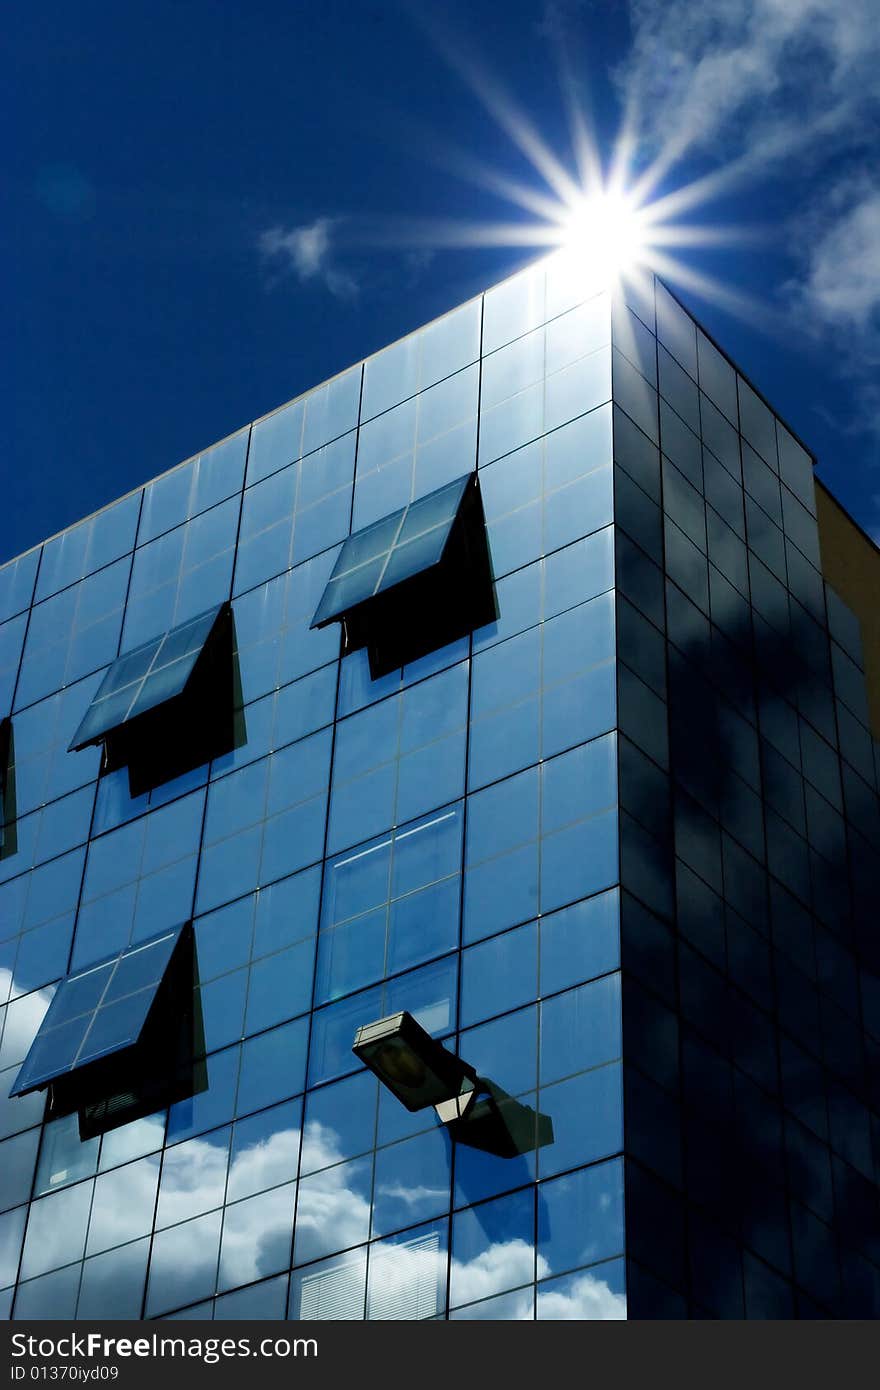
(580, 1218)
(18, 1158)
(514, 307)
(256, 1237)
(44, 770)
(139, 879)
(264, 1302)
(214, 1106)
(50, 832)
(544, 690)
(499, 974)
(183, 573)
(22, 1019)
(272, 1066)
(550, 493)
(89, 546)
(193, 1178)
(52, 1296)
(501, 887)
(275, 645)
(331, 409)
(16, 1113)
(194, 487)
(280, 986)
(397, 759)
(580, 1028)
(183, 1263)
(408, 366)
(275, 810)
(579, 860)
(493, 1247)
(73, 633)
(591, 1295)
(390, 904)
(45, 894)
(276, 441)
(578, 333)
(340, 1122)
(11, 643)
(113, 1284)
(580, 942)
(123, 1205)
(297, 512)
(587, 1115)
(506, 1050)
(512, 369)
(518, 1306)
(56, 1230)
(332, 1210)
(17, 584)
(265, 1150)
(11, 1232)
(417, 447)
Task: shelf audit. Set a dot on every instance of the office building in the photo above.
(591, 795)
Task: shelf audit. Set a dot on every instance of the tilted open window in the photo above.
(415, 580)
(8, 837)
(122, 1038)
(167, 706)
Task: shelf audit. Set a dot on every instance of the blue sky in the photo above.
(211, 208)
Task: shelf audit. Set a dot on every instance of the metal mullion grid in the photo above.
(540, 826)
(27, 625)
(89, 573)
(297, 460)
(325, 846)
(674, 889)
(750, 657)
(465, 806)
(199, 852)
(750, 654)
(464, 818)
(673, 886)
(24, 636)
(77, 908)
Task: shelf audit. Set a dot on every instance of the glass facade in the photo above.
(617, 849)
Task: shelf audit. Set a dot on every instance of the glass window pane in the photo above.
(580, 1218)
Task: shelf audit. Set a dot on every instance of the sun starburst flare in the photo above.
(617, 218)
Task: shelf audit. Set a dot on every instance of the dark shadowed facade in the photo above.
(611, 832)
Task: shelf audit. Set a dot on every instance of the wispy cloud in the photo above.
(760, 88)
(841, 255)
(308, 252)
(762, 80)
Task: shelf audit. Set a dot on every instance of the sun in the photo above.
(608, 232)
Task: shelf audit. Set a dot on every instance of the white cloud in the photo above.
(23, 1017)
(780, 88)
(765, 78)
(586, 1298)
(308, 253)
(409, 1275)
(842, 276)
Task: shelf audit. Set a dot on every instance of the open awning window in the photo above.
(168, 705)
(415, 580)
(97, 1013)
